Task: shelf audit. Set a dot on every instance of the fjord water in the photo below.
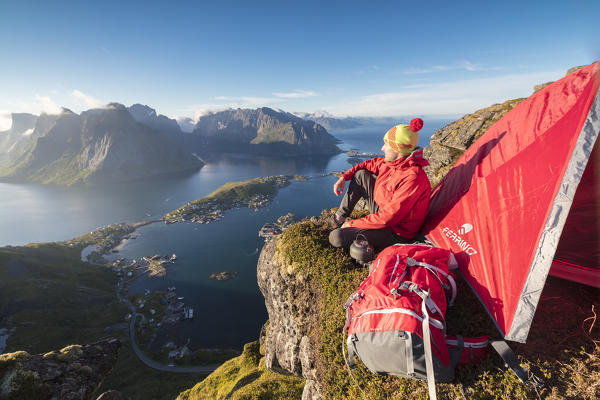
(227, 314)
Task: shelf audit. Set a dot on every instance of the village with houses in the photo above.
(254, 194)
(203, 213)
(153, 310)
(213, 210)
(148, 311)
(271, 230)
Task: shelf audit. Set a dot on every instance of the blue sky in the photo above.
(360, 58)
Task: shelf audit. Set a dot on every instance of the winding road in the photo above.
(149, 362)
(156, 365)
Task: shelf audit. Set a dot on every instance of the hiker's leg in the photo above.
(361, 186)
(343, 237)
(382, 238)
(378, 238)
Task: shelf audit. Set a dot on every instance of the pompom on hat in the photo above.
(404, 138)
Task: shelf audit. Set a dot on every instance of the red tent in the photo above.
(525, 198)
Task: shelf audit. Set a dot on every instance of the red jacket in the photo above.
(402, 192)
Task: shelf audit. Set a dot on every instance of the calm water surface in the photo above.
(226, 314)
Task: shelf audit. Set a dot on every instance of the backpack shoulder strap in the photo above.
(428, 353)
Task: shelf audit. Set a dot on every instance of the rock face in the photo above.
(72, 373)
(448, 144)
(100, 145)
(264, 130)
(289, 345)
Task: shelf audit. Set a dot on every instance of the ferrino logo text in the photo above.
(456, 237)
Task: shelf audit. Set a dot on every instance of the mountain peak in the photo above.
(142, 109)
(116, 106)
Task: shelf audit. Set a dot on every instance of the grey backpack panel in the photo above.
(397, 353)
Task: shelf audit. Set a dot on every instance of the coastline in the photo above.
(103, 241)
(4, 335)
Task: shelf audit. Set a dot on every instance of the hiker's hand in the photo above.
(345, 225)
(338, 186)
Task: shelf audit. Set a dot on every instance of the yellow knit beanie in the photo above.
(404, 138)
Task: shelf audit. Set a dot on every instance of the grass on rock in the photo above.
(246, 377)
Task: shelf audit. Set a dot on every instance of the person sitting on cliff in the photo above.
(396, 190)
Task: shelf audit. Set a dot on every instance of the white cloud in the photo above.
(205, 109)
(436, 68)
(458, 97)
(46, 105)
(460, 65)
(38, 105)
(185, 123)
(5, 121)
(87, 100)
(297, 94)
(247, 101)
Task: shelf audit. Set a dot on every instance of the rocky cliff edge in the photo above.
(72, 373)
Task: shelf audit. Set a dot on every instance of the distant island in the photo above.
(253, 193)
(223, 275)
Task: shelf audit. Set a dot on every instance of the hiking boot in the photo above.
(335, 221)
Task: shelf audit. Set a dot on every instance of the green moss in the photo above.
(208, 357)
(251, 355)
(245, 377)
(73, 351)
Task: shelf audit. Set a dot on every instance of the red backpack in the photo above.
(396, 319)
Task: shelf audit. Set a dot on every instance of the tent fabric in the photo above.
(502, 207)
(576, 273)
(577, 257)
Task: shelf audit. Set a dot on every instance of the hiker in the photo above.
(396, 190)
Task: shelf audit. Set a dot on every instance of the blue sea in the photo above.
(227, 314)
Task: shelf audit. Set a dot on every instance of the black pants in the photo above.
(362, 186)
